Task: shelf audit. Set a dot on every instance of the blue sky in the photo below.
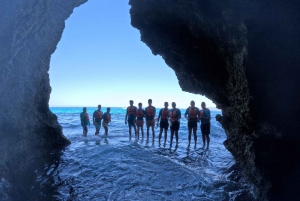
(101, 60)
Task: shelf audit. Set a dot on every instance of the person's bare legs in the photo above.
(195, 135)
(160, 134)
(166, 133)
(190, 135)
(171, 137)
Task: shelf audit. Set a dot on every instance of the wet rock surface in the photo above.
(243, 55)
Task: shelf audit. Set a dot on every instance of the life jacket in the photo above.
(87, 117)
(173, 115)
(164, 114)
(201, 113)
(193, 113)
(98, 115)
(108, 118)
(139, 113)
(130, 110)
(150, 111)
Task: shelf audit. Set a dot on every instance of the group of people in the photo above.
(98, 116)
(167, 118)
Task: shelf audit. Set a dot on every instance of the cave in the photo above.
(243, 55)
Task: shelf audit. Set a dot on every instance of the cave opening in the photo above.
(100, 58)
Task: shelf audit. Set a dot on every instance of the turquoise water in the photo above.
(115, 167)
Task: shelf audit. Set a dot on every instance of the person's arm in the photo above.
(134, 113)
(186, 112)
(159, 115)
(81, 120)
(179, 115)
(126, 116)
(154, 112)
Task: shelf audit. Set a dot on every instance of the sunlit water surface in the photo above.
(117, 168)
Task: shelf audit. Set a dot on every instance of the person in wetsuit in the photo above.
(205, 124)
(192, 114)
(175, 116)
(150, 115)
(85, 120)
(130, 117)
(164, 124)
(106, 120)
(97, 118)
(140, 114)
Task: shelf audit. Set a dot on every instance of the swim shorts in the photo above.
(175, 125)
(164, 124)
(85, 128)
(97, 124)
(131, 122)
(205, 129)
(150, 122)
(104, 124)
(192, 124)
(139, 123)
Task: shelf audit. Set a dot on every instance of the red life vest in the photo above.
(98, 115)
(173, 115)
(150, 111)
(87, 116)
(108, 118)
(201, 113)
(193, 113)
(164, 114)
(130, 110)
(139, 113)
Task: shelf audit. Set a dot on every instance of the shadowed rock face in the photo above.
(243, 55)
(29, 33)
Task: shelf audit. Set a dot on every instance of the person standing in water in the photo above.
(164, 124)
(106, 120)
(131, 115)
(85, 120)
(175, 116)
(140, 114)
(97, 118)
(205, 124)
(192, 114)
(150, 115)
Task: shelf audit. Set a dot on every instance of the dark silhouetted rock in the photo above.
(243, 55)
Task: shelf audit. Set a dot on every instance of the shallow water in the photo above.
(116, 168)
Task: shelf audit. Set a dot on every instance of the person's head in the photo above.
(108, 109)
(173, 105)
(166, 104)
(193, 103)
(150, 102)
(203, 105)
(140, 105)
(99, 107)
(84, 109)
(131, 102)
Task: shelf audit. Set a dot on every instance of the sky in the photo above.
(101, 60)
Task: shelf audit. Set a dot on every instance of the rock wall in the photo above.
(243, 55)
(29, 33)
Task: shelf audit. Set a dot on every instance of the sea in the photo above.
(115, 167)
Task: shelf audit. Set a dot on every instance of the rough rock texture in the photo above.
(243, 55)
(29, 33)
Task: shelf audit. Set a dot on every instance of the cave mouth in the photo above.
(99, 47)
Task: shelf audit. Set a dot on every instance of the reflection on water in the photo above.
(114, 167)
